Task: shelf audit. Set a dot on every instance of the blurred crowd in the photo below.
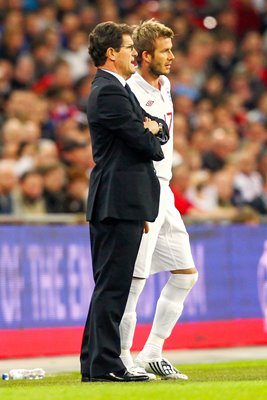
(219, 90)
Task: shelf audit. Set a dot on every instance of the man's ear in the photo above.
(111, 53)
(146, 56)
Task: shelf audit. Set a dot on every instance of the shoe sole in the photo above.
(122, 381)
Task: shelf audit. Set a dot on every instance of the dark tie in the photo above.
(132, 96)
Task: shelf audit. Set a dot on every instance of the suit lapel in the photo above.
(137, 108)
(134, 101)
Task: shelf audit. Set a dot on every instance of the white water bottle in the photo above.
(14, 374)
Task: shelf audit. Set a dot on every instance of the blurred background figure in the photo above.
(28, 199)
(54, 178)
(8, 182)
(77, 188)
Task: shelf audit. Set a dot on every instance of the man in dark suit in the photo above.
(123, 196)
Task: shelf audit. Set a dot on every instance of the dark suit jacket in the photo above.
(123, 183)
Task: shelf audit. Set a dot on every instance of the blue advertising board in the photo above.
(46, 278)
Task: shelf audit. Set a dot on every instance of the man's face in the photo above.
(32, 187)
(162, 58)
(126, 58)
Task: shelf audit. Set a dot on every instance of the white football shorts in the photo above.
(166, 246)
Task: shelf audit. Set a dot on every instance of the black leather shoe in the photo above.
(118, 376)
(85, 378)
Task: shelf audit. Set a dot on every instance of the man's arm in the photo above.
(116, 115)
(163, 133)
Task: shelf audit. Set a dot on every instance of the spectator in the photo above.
(13, 44)
(224, 184)
(213, 88)
(44, 60)
(69, 26)
(201, 191)
(8, 181)
(77, 188)
(200, 50)
(47, 153)
(215, 158)
(77, 154)
(54, 176)
(259, 203)
(247, 182)
(24, 73)
(179, 185)
(28, 199)
(77, 56)
(225, 55)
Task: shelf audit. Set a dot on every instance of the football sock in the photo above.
(168, 310)
(128, 322)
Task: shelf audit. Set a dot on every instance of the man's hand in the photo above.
(146, 227)
(153, 126)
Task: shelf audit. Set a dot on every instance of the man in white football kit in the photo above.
(166, 247)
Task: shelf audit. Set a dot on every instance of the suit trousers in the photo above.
(114, 245)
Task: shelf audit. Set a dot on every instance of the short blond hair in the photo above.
(145, 35)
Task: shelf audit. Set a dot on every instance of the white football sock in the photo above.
(169, 308)
(128, 322)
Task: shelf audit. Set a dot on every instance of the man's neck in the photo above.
(118, 76)
(110, 67)
(150, 78)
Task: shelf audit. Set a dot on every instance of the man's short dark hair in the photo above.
(105, 35)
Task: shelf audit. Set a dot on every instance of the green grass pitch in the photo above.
(246, 380)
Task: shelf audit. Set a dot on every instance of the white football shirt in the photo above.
(158, 103)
